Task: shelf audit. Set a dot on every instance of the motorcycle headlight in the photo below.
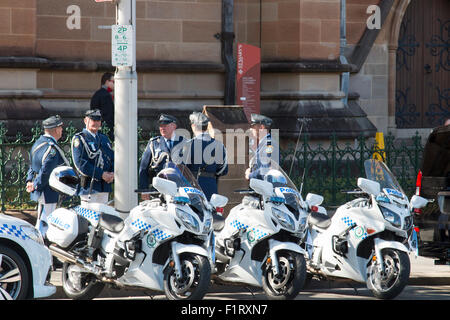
(188, 220)
(391, 217)
(32, 233)
(284, 219)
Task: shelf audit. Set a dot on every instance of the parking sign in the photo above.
(122, 45)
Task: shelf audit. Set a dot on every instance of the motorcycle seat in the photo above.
(111, 223)
(218, 222)
(319, 219)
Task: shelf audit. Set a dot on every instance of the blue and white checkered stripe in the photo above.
(161, 235)
(259, 234)
(13, 231)
(142, 225)
(238, 225)
(348, 221)
(91, 215)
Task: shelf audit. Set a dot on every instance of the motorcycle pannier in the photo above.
(63, 227)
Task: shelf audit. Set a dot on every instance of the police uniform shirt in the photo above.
(207, 159)
(92, 155)
(46, 155)
(156, 154)
(266, 152)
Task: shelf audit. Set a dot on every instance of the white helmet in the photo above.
(65, 180)
(275, 177)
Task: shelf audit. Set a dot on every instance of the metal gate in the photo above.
(423, 65)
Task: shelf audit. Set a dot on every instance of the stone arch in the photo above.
(399, 10)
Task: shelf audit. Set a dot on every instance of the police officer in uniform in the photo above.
(93, 158)
(46, 155)
(266, 151)
(205, 156)
(160, 150)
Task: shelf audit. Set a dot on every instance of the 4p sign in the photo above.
(122, 45)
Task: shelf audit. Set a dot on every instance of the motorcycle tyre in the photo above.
(204, 278)
(92, 290)
(295, 284)
(400, 282)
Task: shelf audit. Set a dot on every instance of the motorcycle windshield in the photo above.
(379, 172)
(274, 174)
(187, 184)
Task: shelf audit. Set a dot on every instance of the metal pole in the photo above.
(125, 123)
(345, 77)
(227, 38)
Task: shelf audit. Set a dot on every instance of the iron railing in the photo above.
(329, 167)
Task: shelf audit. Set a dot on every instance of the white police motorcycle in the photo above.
(165, 244)
(257, 244)
(366, 240)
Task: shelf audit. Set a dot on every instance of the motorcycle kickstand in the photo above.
(250, 290)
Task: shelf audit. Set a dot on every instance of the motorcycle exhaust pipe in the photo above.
(63, 255)
(67, 257)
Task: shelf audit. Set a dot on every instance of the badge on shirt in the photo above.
(92, 145)
(76, 143)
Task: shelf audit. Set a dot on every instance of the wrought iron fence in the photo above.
(15, 159)
(329, 170)
(318, 168)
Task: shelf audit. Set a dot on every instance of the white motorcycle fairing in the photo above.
(350, 266)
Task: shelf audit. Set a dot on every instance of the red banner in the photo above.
(248, 76)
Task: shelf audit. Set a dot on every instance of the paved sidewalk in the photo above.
(423, 272)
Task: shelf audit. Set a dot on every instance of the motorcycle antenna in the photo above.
(302, 120)
(92, 178)
(296, 145)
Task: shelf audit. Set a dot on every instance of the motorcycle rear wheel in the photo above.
(389, 283)
(288, 284)
(87, 288)
(194, 282)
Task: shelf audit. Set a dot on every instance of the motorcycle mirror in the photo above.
(314, 199)
(165, 186)
(369, 186)
(418, 202)
(218, 201)
(262, 187)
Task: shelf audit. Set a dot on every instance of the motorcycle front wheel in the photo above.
(194, 281)
(389, 283)
(291, 279)
(79, 285)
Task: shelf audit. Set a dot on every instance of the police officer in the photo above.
(266, 151)
(93, 158)
(46, 155)
(205, 156)
(160, 150)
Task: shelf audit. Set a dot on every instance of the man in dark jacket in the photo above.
(159, 151)
(267, 150)
(46, 155)
(93, 158)
(104, 101)
(205, 156)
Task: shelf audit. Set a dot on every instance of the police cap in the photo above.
(198, 118)
(166, 119)
(260, 119)
(94, 114)
(52, 122)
